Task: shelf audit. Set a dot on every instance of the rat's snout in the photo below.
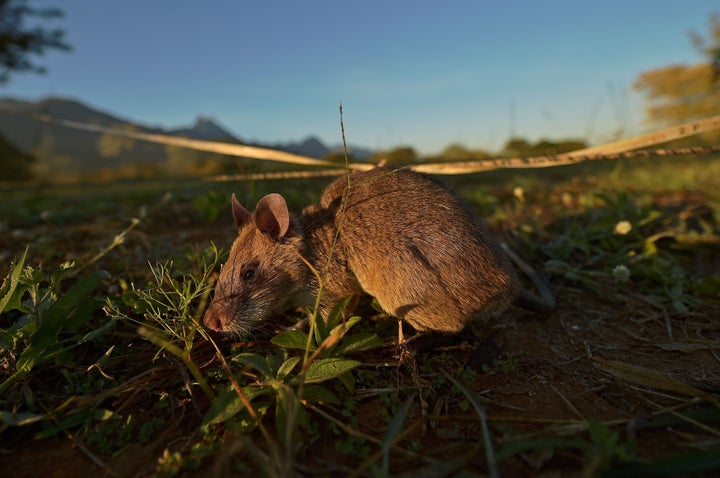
(213, 319)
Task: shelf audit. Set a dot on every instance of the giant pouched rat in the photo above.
(397, 235)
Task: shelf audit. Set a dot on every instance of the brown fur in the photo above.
(399, 236)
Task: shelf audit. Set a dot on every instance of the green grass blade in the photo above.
(98, 332)
(228, 404)
(647, 377)
(163, 342)
(489, 451)
(694, 463)
(323, 329)
(73, 420)
(9, 286)
(56, 316)
(20, 419)
(286, 407)
(392, 433)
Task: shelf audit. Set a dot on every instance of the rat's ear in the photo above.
(241, 215)
(272, 216)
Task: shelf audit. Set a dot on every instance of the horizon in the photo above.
(199, 118)
(482, 75)
(174, 129)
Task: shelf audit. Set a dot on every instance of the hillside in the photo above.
(64, 153)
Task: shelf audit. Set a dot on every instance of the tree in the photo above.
(112, 145)
(19, 43)
(517, 147)
(521, 147)
(14, 164)
(457, 153)
(679, 93)
(397, 157)
(338, 157)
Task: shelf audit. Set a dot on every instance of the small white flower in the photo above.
(519, 193)
(621, 273)
(623, 227)
(567, 199)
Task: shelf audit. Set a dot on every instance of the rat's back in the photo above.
(418, 249)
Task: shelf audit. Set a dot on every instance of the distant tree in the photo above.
(458, 152)
(522, 147)
(517, 147)
(338, 157)
(112, 145)
(710, 48)
(14, 164)
(678, 93)
(545, 146)
(395, 157)
(18, 42)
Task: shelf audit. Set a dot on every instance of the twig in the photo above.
(567, 402)
(668, 324)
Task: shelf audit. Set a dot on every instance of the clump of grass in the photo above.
(618, 239)
(172, 301)
(49, 321)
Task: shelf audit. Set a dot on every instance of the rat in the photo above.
(397, 235)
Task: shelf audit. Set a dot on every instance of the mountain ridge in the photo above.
(66, 151)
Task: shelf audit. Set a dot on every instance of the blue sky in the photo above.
(425, 74)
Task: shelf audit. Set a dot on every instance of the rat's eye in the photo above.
(247, 272)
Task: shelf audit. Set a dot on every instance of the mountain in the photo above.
(206, 129)
(311, 146)
(63, 152)
(315, 148)
(58, 108)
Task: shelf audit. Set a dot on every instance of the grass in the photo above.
(101, 345)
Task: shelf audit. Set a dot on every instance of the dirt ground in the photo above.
(585, 361)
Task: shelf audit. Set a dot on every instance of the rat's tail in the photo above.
(543, 304)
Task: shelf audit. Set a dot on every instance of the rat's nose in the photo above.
(212, 319)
